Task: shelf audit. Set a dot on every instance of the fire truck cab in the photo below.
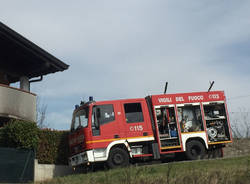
(118, 132)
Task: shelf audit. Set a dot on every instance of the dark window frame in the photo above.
(134, 113)
(102, 120)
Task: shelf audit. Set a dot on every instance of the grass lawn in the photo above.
(230, 170)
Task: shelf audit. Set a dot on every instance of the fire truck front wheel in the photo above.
(118, 157)
(195, 150)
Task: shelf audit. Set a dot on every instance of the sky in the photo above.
(129, 49)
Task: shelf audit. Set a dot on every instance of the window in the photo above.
(133, 112)
(83, 120)
(76, 122)
(103, 114)
(80, 119)
(190, 118)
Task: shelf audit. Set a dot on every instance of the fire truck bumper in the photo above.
(96, 155)
(81, 158)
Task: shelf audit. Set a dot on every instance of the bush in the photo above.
(1, 138)
(19, 134)
(53, 147)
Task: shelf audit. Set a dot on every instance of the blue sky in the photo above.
(128, 49)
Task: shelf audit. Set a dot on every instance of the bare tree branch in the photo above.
(241, 123)
(41, 114)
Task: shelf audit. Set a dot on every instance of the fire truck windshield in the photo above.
(80, 119)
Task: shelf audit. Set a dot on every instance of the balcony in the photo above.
(17, 103)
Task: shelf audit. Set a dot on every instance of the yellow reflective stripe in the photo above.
(104, 140)
(108, 140)
(220, 142)
(170, 147)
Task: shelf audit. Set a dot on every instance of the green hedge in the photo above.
(51, 146)
(1, 138)
(20, 134)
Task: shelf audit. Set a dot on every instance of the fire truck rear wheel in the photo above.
(195, 150)
(118, 157)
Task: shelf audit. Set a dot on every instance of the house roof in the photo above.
(21, 57)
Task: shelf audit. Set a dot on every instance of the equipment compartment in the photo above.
(216, 121)
(167, 126)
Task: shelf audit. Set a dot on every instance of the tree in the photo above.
(240, 123)
(41, 114)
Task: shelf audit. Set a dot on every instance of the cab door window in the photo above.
(102, 114)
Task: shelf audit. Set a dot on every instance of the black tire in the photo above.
(195, 150)
(118, 157)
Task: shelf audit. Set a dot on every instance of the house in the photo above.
(25, 62)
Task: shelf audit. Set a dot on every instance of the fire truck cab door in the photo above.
(104, 123)
(136, 119)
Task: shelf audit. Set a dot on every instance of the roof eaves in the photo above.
(59, 65)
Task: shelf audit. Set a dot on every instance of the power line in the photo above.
(237, 97)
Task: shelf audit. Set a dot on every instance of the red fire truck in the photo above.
(119, 132)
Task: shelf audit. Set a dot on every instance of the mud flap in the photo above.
(156, 151)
